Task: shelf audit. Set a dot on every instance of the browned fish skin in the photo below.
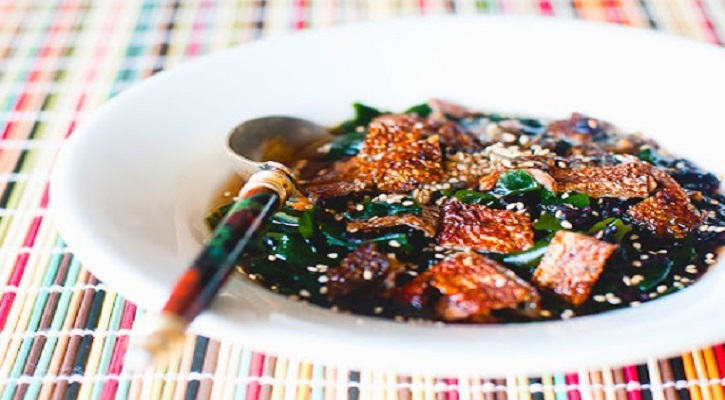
(426, 223)
(579, 128)
(471, 287)
(390, 131)
(408, 166)
(481, 228)
(572, 265)
(364, 268)
(669, 213)
(624, 181)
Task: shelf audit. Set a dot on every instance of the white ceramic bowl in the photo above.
(131, 187)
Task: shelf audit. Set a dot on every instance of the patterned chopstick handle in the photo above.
(260, 197)
(199, 284)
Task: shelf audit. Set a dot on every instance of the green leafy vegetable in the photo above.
(515, 181)
(548, 222)
(383, 209)
(578, 200)
(649, 155)
(528, 258)
(213, 219)
(345, 145)
(363, 115)
(620, 228)
(471, 196)
(423, 110)
(306, 224)
(653, 276)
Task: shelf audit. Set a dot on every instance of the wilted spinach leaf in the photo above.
(345, 145)
(384, 209)
(213, 219)
(619, 228)
(515, 181)
(470, 196)
(528, 258)
(363, 115)
(548, 222)
(423, 110)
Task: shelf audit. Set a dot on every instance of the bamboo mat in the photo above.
(64, 333)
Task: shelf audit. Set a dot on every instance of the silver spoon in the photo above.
(260, 149)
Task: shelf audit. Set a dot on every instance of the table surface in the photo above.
(64, 333)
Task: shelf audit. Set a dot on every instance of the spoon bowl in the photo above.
(279, 139)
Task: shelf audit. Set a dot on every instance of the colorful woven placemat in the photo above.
(64, 333)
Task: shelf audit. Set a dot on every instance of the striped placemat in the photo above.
(64, 333)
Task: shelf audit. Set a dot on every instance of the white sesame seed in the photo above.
(565, 195)
(644, 257)
(637, 245)
(637, 279)
(599, 298)
(271, 257)
(378, 310)
(636, 263)
(408, 203)
(635, 304)
(367, 274)
(566, 314)
(634, 236)
(439, 256)
(566, 225)
(359, 207)
(323, 289)
(691, 269)
(545, 313)
(394, 243)
(323, 279)
(304, 293)
(332, 255)
(615, 300)
(661, 289)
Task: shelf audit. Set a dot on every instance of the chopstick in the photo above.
(157, 333)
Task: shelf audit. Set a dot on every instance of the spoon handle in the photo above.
(260, 197)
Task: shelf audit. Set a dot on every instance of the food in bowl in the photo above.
(444, 213)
